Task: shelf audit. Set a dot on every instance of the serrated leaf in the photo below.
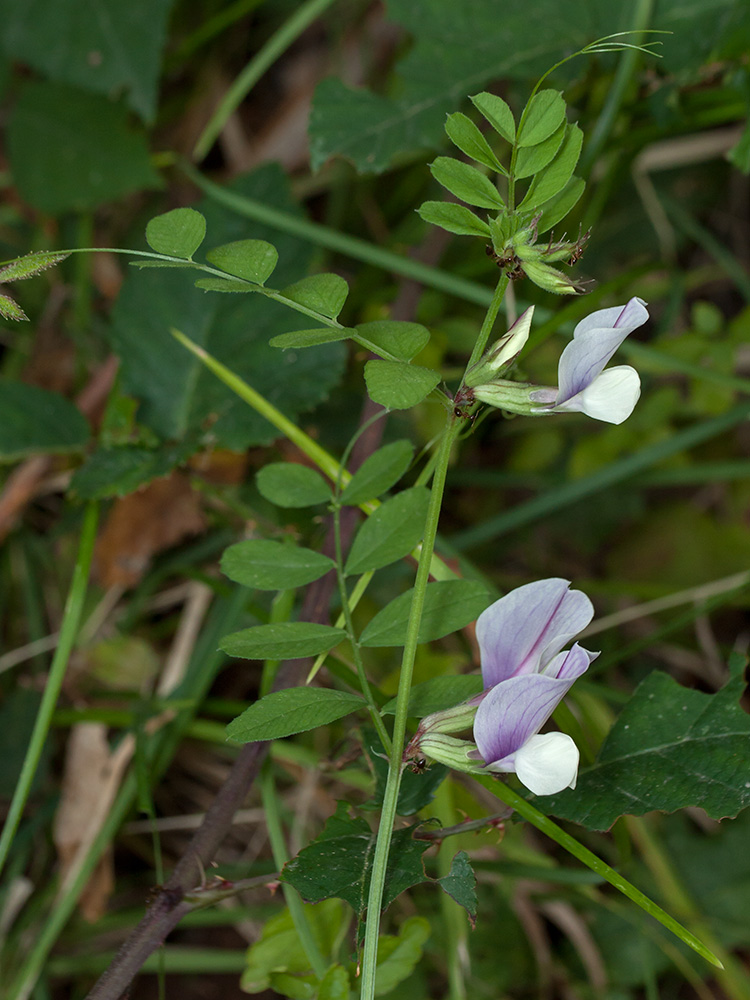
(339, 862)
(553, 178)
(670, 748)
(554, 210)
(177, 394)
(542, 116)
(397, 385)
(497, 113)
(253, 260)
(111, 49)
(460, 884)
(34, 420)
(466, 183)
(463, 133)
(10, 309)
(378, 473)
(448, 606)
(114, 472)
(398, 955)
(226, 285)
(178, 233)
(99, 154)
(310, 338)
(390, 532)
(454, 218)
(289, 484)
(282, 641)
(437, 694)
(325, 293)
(30, 265)
(268, 565)
(532, 159)
(402, 339)
(293, 710)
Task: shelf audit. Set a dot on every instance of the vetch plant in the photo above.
(525, 675)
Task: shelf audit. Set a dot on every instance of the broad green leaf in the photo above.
(397, 385)
(437, 694)
(325, 293)
(463, 133)
(531, 159)
(177, 394)
(115, 472)
(554, 210)
(553, 178)
(399, 954)
(178, 233)
(460, 884)
(402, 339)
(466, 183)
(670, 748)
(279, 948)
(282, 641)
(99, 155)
(226, 285)
(295, 987)
(34, 420)
(109, 48)
(294, 710)
(390, 532)
(542, 116)
(449, 605)
(339, 862)
(268, 565)
(497, 113)
(253, 260)
(454, 218)
(335, 984)
(378, 473)
(310, 338)
(289, 484)
(30, 265)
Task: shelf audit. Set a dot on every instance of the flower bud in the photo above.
(515, 397)
(551, 279)
(502, 353)
(450, 751)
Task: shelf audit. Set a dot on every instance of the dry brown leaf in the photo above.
(85, 780)
(146, 522)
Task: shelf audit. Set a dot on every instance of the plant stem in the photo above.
(68, 633)
(390, 797)
(489, 320)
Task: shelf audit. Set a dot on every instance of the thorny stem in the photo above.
(390, 797)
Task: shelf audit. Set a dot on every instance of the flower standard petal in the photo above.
(514, 711)
(523, 630)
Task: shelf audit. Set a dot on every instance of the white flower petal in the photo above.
(547, 764)
(610, 397)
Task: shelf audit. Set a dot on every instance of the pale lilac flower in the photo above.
(584, 385)
(526, 675)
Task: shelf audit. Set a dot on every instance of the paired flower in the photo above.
(584, 384)
(526, 673)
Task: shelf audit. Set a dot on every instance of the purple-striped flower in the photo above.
(526, 673)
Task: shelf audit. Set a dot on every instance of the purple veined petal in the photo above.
(593, 345)
(569, 665)
(633, 314)
(545, 764)
(523, 630)
(514, 711)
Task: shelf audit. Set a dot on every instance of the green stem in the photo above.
(390, 797)
(68, 632)
(489, 320)
(364, 684)
(278, 43)
(280, 857)
(570, 844)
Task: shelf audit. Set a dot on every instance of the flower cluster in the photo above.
(584, 382)
(526, 673)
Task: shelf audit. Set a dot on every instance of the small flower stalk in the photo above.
(585, 384)
(526, 674)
